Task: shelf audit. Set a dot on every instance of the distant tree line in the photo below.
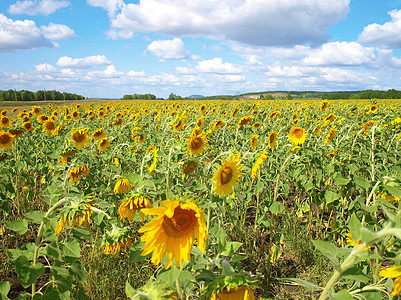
(24, 95)
(139, 96)
(367, 94)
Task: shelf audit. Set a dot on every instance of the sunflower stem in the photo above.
(179, 290)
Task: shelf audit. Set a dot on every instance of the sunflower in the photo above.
(173, 231)
(98, 134)
(332, 153)
(36, 110)
(49, 126)
(350, 240)
(42, 118)
(373, 109)
(196, 144)
(245, 120)
(227, 175)
(393, 272)
(254, 141)
(273, 138)
(5, 121)
(274, 114)
(122, 185)
(104, 143)
(324, 105)
(258, 164)
(297, 135)
(367, 126)
(3, 112)
(218, 124)
(6, 140)
(199, 122)
(330, 136)
(75, 115)
(130, 205)
(115, 239)
(140, 139)
(77, 214)
(180, 124)
(238, 293)
(188, 168)
(75, 174)
(27, 126)
(152, 167)
(257, 125)
(80, 137)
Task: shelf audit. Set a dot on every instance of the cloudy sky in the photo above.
(108, 48)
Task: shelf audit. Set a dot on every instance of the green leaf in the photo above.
(393, 190)
(355, 273)
(19, 226)
(230, 248)
(366, 235)
(339, 180)
(205, 275)
(362, 182)
(129, 290)
(374, 295)
(170, 276)
(341, 295)
(135, 252)
(28, 273)
(36, 216)
(4, 287)
(310, 287)
(355, 227)
(53, 250)
(276, 207)
(328, 250)
(331, 196)
(72, 249)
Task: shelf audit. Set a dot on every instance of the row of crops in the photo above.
(217, 200)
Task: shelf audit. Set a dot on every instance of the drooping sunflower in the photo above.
(274, 114)
(297, 135)
(254, 141)
(76, 214)
(80, 137)
(98, 134)
(130, 205)
(245, 120)
(75, 174)
(324, 105)
(238, 293)
(196, 144)
(227, 175)
(152, 166)
(115, 239)
(104, 143)
(6, 140)
(330, 135)
(258, 164)
(273, 138)
(122, 185)
(188, 168)
(173, 231)
(218, 124)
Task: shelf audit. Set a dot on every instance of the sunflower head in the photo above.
(98, 134)
(188, 168)
(273, 138)
(131, 205)
(104, 143)
(80, 137)
(297, 135)
(115, 239)
(196, 144)
(173, 231)
(6, 140)
(227, 175)
(5, 121)
(122, 185)
(49, 126)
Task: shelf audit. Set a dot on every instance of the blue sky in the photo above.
(108, 48)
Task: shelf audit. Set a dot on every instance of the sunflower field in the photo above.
(192, 200)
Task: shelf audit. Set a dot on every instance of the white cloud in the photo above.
(136, 74)
(184, 70)
(45, 68)
(32, 8)
(111, 6)
(21, 35)
(119, 34)
(82, 63)
(340, 54)
(229, 78)
(387, 35)
(257, 22)
(168, 49)
(57, 32)
(217, 66)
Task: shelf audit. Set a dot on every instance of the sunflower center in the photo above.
(182, 222)
(196, 143)
(50, 125)
(78, 137)
(298, 133)
(226, 175)
(4, 139)
(4, 121)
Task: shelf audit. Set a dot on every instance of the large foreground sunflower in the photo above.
(173, 231)
(227, 175)
(297, 135)
(6, 140)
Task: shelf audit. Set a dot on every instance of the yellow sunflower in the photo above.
(330, 136)
(254, 141)
(196, 144)
(218, 124)
(227, 175)
(273, 138)
(49, 126)
(6, 140)
(393, 272)
(42, 118)
(80, 137)
(274, 114)
(122, 185)
(238, 293)
(5, 122)
(27, 126)
(188, 168)
(75, 174)
(324, 105)
(36, 110)
(104, 143)
(98, 134)
(297, 135)
(258, 164)
(173, 231)
(130, 205)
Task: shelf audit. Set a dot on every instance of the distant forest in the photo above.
(24, 95)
